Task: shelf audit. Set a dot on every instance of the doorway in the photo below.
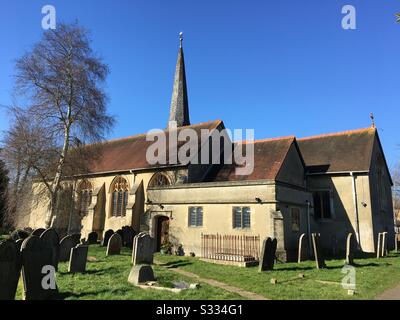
(162, 231)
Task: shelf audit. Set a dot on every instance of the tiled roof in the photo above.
(269, 155)
(337, 152)
(130, 153)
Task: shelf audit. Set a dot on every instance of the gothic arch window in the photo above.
(158, 180)
(119, 199)
(85, 192)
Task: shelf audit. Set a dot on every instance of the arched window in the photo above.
(85, 191)
(119, 202)
(158, 180)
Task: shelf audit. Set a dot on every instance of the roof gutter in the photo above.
(337, 172)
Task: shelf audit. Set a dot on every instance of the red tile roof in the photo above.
(129, 153)
(269, 155)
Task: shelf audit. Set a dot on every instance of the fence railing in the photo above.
(237, 248)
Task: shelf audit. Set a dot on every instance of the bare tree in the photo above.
(63, 80)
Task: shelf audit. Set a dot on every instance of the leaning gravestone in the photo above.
(268, 254)
(127, 236)
(76, 237)
(107, 236)
(143, 249)
(303, 252)
(66, 244)
(114, 245)
(38, 232)
(319, 258)
(92, 237)
(38, 273)
(10, 269)
(51, 239)
(78, 258)
(350, 247)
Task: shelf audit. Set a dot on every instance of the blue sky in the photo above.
(280, 67)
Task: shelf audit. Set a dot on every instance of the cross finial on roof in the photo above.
(180, 38)
(371, 115)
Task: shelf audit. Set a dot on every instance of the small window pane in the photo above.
(237, 217)
(115, 204)
(246, 217)
(199, 217)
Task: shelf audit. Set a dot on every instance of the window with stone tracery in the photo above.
(158, 180)
(120, 192)
(85, 193)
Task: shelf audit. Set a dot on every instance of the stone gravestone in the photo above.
(107, 236)
(319, 259)
(396, 242)
(66, 244)
(114, 245)
(10, 269)
(76, 237)
(36, 256)
(119, 231)
(143, 249)
(127, 236)
(379, 245)
(268, 254)
(19, 234)
(18, 243)
(350, 248)
(78, 258)
(50, 237)
(141, 274)
(38, 232)
(92, 237)
(384, 244)
(303, 249)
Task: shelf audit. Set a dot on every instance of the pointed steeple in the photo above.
(179, 110)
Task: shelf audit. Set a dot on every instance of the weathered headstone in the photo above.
(51, 239)
(119, 231)
(114, 245)
(38, 232)
(319, 258)
(10, 269)
(268, 254)
(76, 237)
(107, 236)
(127, 236)
(66, 244)
(303, 249)
(143, 249)
(141, 274)
(379, 246)
(19, 234)
(38, 272)
(92, 237)
(350, 247)
(384, 244)
(78, 258)
(396, 242)
(18, 243)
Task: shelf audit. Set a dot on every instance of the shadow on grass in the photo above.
(90, 272)
(67, 294)
(175, 264)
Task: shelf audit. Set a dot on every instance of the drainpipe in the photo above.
(353, 179)
(309, 228)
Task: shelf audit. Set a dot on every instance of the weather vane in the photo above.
(371, 115)
(181, 38)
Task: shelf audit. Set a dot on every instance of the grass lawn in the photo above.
(373, 276)
(106, 279)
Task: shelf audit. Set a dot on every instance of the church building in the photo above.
(332, 184)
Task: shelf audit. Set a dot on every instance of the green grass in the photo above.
(106, 279)
(373, 276)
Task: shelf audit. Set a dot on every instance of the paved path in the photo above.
(391, 294)
(214, 283)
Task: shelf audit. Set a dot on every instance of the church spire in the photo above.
(179, 110)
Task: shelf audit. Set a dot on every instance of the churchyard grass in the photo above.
(373, 276)
(106, 279)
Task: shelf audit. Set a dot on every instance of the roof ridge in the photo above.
(266, 140)
(218, 121)
(341, 133)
